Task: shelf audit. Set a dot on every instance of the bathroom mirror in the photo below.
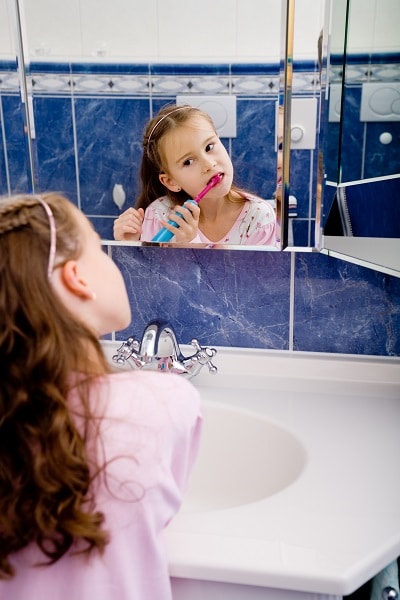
(362, 121)
(79, 33)
(82, 49)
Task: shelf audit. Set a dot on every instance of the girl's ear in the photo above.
(74, 282)
(169, 183)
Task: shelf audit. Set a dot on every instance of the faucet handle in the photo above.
(128, 350)
(203, 356)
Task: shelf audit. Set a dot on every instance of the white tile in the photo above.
(259, 30)
(387, 26)
(119, 29)
(197, 30)
(309, 20)
(53, 29)
(180, 30)
(337, 26)
(361, 26)
(7, 38)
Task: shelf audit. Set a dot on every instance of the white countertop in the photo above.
(338, 524)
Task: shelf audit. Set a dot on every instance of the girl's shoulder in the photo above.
(161, 202)
(259, 205)
(147, 393)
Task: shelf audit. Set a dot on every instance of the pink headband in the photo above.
(52, 251)
(162, 119)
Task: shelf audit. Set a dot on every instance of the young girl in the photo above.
(181, 154)
(93, 463)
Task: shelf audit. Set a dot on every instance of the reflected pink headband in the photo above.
(52, 223)
(162, 119)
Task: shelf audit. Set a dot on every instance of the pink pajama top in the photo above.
(255, 225)
(149, 440)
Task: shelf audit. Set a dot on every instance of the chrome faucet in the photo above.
(159, 349)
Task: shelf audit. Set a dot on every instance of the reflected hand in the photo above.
(128, 226)
(188, 223)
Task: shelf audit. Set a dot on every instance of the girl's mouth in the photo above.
(219, 175)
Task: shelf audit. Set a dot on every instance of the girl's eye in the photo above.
(280, 146)
(209, 147)
(187, 162)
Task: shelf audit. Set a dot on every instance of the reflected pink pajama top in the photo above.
(255, 225)
(149, 438)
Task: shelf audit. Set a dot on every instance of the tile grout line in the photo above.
(291, 300)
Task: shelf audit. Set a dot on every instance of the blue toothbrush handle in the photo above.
(164, 235)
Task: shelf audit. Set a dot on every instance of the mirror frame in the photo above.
(285, 91)
(26, 99)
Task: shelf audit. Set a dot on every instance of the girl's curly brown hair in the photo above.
(46, 473)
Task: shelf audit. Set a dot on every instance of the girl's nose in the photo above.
(208, 164)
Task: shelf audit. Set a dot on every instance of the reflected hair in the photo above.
(46, 474)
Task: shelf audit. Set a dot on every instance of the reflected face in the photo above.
(193, 153)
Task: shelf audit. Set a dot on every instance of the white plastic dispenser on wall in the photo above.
(380, 102)
(119, 195)
(222, 110)
(303, 123)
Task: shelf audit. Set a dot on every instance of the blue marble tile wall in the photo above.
(287, 301)
(13, 142)
(88, 122)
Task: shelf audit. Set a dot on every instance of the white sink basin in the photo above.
(243, 458)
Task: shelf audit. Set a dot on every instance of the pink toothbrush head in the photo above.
(212, 183)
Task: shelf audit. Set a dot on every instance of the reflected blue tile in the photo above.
(46, 67)
(300, 164)
(221, 297)
(55, 146)
(16, 145)
(189, 69)
(303, 232)
(374, 207)
(382, 159)
(109, 134)
(253, 150)
(255, 69)
(110, 68)
(104, 226)
(331, 150)
(352, 136)
(158, 103)
(345, 308)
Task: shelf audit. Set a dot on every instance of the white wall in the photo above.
(161, 30)
(187, 30)
(7, 33)
(375, 26)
